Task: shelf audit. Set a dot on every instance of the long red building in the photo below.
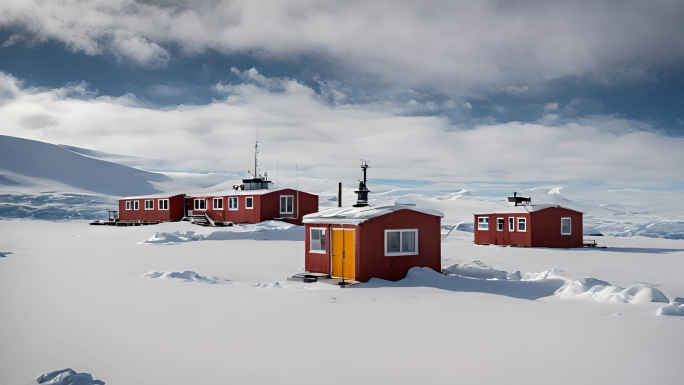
(254, 206)
(530, 226)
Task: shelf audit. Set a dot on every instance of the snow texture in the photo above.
(267, 230)
(67, 377)
(605, 292)
(673, 308)
(186, 276)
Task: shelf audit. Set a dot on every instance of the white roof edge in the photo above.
(357, 215)
(151, 196)
(523, 209)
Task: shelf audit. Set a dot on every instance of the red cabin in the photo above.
(254, 206)
(154, 208)
(359, 243)
(530, 226)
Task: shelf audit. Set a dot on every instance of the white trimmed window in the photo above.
(163, 204)
(566, 226)
(483, 223)
(218, 204)
(129, 205)
(511, 224)
(149, 204)
(200, 204)
(499, 224)
(522, 224)
(286, 204)
(232, 203)
(136, 205)
(401, 242)
(317, 240)
(249, 203)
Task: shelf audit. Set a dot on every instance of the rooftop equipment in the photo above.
(515, 200)
(362, 192)
(255, 181)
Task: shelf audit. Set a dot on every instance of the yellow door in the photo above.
(343, 253)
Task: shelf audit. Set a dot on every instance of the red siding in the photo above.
(505, 237)
(174, 213)
(370, 259)
(543, 229)
(265, 206)
(546, 228)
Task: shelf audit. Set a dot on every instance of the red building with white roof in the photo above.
(254, 206)
(361, 242)
(524, 224)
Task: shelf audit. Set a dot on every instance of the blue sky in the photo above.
(427, 78)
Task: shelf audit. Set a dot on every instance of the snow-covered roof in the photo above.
(238, 192)
(151, 196)
(525, 209)
(358, 215)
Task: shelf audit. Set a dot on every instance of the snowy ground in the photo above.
(94, 299)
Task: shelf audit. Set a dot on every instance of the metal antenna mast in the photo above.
(256, 152)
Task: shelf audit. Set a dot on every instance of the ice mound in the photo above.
(267, 230)
(478, 269)
(5, 253)
(186, 276)
(673, 308)
(67, 377)
(603, 291)
(546, 274)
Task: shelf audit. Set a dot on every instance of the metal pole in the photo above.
(339, 195)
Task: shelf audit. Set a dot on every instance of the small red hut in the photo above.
(362, 241)
(153, 208)
(524, 224)
(254, 205)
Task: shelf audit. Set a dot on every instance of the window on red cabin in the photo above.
(566, 226)
(499, 224)
(522, 224)
(483, 223)
(232, 203)
(218, 203)
(163, 204)
(149, 204)
(511, 224)
(249, 202)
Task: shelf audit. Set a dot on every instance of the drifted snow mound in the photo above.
(67, 377)
(426, 277)
(186, 276)
(673, 308)
(267, 230)
(603, 291)
(5, 253)
(478, 269)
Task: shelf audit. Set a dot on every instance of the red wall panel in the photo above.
(546, 228)
(175, 206)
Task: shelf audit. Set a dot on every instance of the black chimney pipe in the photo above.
(339, 194)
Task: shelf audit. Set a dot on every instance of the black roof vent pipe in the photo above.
(362, 192)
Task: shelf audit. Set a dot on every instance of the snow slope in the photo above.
(24, 160)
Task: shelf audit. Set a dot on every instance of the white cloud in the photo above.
(297, 126)
(447, 45)
(551, 106)
(467, 106)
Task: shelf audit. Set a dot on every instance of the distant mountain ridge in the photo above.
(21, 157)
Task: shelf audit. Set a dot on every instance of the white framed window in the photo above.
(249, 203)
(129, 205)
(317, 240)
(499, 224)
(163, 204)
(401, 242)
(149, 204)
(522, 224)
(136, 205)
(286, 204)
(200, 204)
(483, 223)
(511, 224)
(232, 203)
(566, 226)
(218, 204)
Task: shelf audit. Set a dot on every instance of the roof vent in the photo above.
(362, 192)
